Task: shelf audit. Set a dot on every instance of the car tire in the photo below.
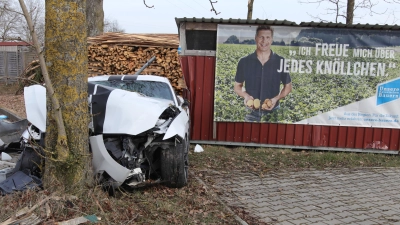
(108, 186)
(175, 165)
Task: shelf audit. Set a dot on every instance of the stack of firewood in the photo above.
(118, 53)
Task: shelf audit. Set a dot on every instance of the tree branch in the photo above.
(338, 8)
(144, 2)
(212, 7)
(11, 10)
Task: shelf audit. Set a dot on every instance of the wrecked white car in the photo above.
(139, 129)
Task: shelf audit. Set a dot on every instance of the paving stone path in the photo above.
(332, 196)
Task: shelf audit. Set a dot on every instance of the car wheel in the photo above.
(175, 165)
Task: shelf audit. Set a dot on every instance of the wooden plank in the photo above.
(238, 136)
(247, 132)
(298, 135)
(342, 137)
(255, 132)
(316, 135)
(386, 136)
(307, 135)
(333, 136)
(230, 132)
(359, 138)
(264, 129)
(289, 137)
(221, 131)
(198, 90)
(368, 136)
(324, 141)
(351, 136)
(197, 99)
(394, 139)
(281, 131)
(208, 98)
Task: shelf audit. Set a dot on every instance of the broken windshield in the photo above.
(148, 88)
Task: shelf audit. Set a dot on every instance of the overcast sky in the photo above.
(134, 17)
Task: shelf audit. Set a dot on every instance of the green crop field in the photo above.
(312, 93)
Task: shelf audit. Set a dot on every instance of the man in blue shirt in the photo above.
(257, 76)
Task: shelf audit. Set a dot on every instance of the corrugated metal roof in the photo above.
(235, 21)
(287, 23)
(357, 26)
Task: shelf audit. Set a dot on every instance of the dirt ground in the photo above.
(11, 102)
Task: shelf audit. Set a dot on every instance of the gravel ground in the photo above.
(13, 103)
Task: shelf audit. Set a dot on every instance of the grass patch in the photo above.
(262, 160)
(157, 204)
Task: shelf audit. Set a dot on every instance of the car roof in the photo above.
(136, 77)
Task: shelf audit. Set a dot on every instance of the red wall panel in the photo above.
(238, 132)
(264, 133)
(289, 137)
(359, 138)
(208, 99)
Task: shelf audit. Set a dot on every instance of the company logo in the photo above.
(388, 92)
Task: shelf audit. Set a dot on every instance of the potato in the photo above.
(250, 103)
(256, 103)
(264, 106)
(268, 103)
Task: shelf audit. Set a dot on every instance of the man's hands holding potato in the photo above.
(267, 104)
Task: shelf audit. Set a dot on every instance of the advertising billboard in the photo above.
(307, 75)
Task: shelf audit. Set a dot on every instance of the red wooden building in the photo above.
(198, 60)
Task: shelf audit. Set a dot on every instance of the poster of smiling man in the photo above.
(305, 75)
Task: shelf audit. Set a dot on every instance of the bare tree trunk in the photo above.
(94, 17)
(250, 9)
(350, 12)
(66, 56)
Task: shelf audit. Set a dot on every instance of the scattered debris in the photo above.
(4, 172)
(19, 181)
(5, 157)
(80, 220)
(198, 148)
(11, 131)
(26, 215)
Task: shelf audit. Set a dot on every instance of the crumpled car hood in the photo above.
(114, 111)
(125, 112)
